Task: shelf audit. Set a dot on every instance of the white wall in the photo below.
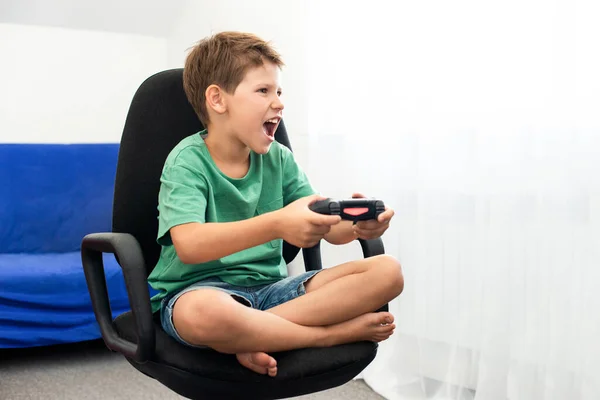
(141, 17)
(71, 86)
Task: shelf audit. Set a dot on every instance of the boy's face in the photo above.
(255, 108)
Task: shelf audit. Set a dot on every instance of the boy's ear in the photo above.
(215, 99)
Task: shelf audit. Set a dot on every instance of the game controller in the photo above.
(350, 209)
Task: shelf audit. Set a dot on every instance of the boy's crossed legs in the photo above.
(337, 308)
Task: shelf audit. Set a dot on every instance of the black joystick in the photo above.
(350, 209)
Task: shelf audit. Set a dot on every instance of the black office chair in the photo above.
(159, 117)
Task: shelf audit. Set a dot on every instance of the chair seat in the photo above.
(218, 375)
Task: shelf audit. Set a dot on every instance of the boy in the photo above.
(228, 197)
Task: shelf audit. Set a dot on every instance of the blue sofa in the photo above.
(51, 195)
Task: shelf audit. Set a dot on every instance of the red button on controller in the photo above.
(356, 211)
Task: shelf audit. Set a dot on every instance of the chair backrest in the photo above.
(159, 117)
(51, 195)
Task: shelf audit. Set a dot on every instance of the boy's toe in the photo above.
(258, 362)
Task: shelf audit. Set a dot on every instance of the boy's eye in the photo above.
(266, 90)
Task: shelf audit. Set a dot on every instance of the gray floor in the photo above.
(90, 371)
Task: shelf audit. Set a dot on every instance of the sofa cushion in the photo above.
(44, 299)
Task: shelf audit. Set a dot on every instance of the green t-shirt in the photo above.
(193, 189)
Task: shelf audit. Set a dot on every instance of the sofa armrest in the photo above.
(128, 252)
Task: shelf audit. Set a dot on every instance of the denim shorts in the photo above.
(262, 297)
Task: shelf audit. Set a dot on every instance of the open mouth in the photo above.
(270, 126)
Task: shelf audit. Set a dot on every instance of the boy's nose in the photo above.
(277, 104)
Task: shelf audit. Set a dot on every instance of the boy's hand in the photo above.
(302, 227)
(372, 229)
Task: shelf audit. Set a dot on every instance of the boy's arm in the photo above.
(341, 233)
(197, 243)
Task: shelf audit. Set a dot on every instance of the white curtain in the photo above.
(478, 122)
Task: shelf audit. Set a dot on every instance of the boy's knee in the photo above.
(202, 316)
(390, 270)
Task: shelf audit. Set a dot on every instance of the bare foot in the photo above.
(374, 327)
(259, 362)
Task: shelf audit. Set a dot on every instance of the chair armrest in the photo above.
(312, 258)
(372, 247)
(128, 252)
(312, 255)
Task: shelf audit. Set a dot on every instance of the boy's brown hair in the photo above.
(223, 59)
